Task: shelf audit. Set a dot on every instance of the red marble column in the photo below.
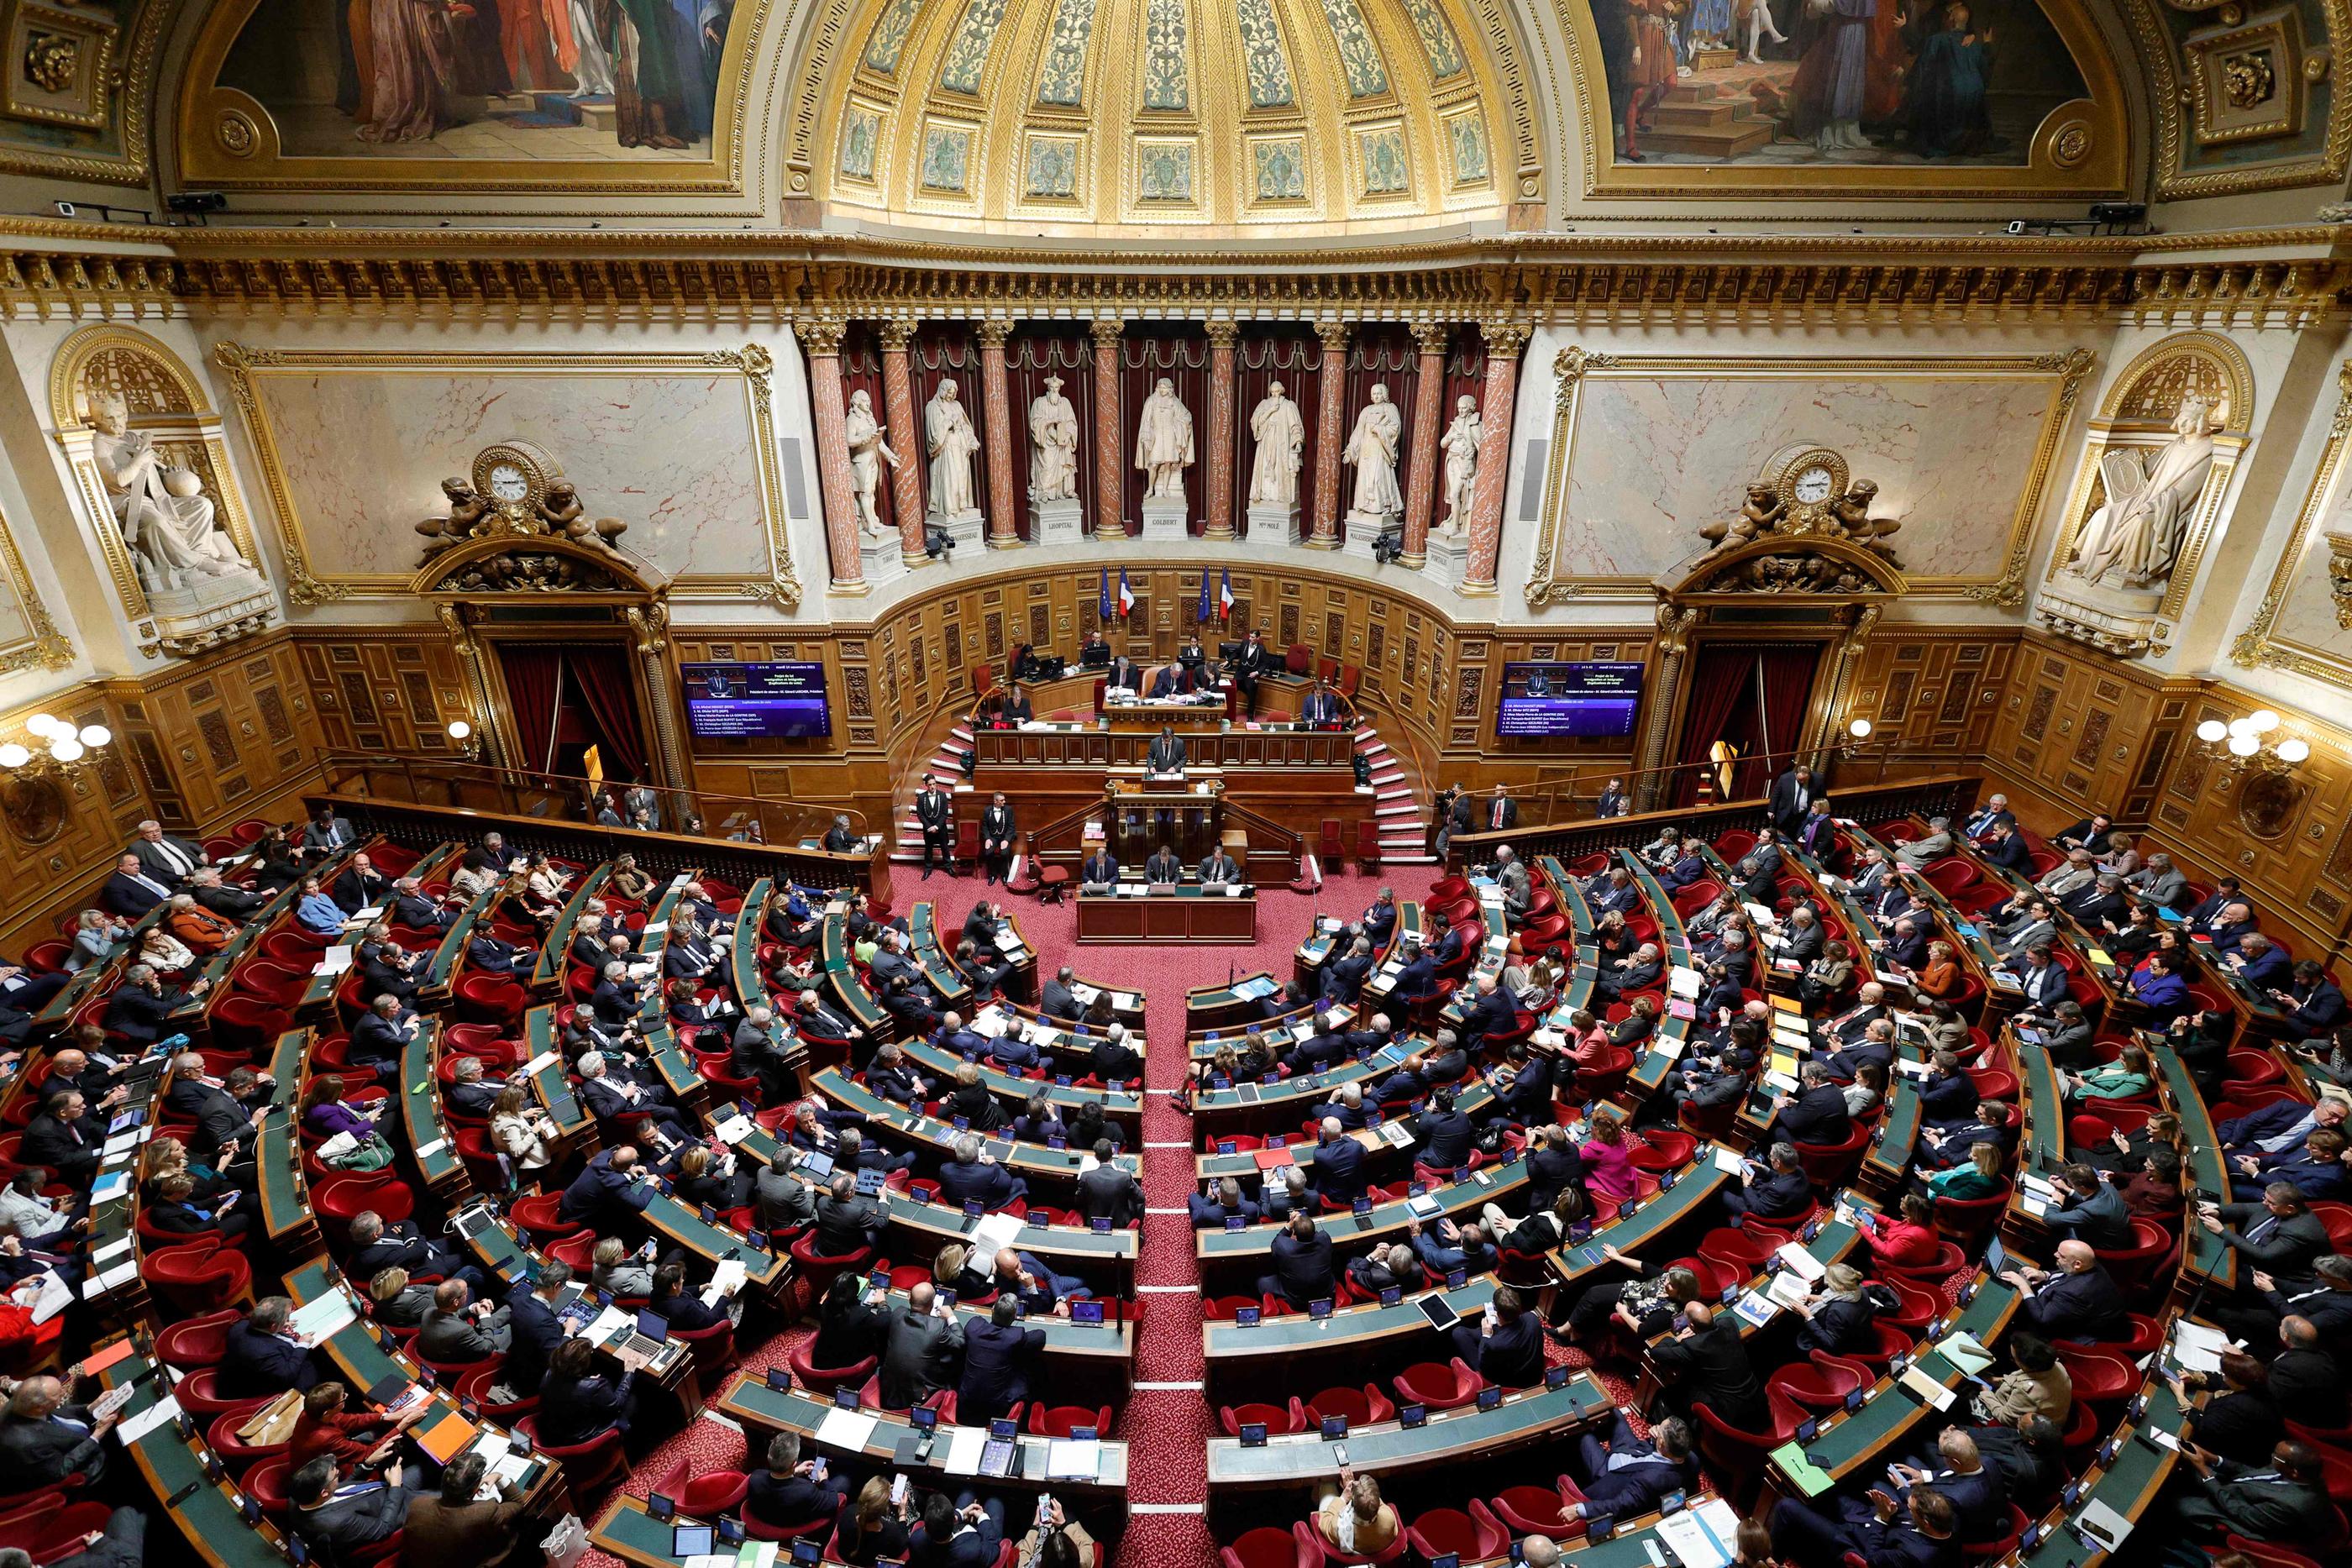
(996, 392)
(1421, 451)
(906, 437)
(1331, 407)
(1504, 341)
(821, 341)
(1110, 446)
(1223, 449)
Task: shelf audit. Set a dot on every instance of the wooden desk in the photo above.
(554, 949)
(286, 1213)
(1125, 1105)
(912, 1129)
(840, 976)
(1185, 916)
(1252, 1247)
(1468, 1434)
(2208, 1257)
(208, 1516)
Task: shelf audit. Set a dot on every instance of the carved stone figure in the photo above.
(1053, 435)
(161, 509)
(951, 444)
(1373, 450)
(2135, 537)
(1461, 444)
(1164, 442)
(868, 452)
(1280, 433)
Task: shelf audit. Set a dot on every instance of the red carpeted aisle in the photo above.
(1166, 1421)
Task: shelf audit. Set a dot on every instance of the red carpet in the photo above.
(1164, 1426)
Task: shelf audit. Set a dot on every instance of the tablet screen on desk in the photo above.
(690, 1541)
(1440, 1315)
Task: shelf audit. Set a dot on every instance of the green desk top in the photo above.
(841, 974)
(1851, 1443)
(1127, 1105)
(211, 1516)
(1278, 1033)
(217, 968)
(2128, 1484)
(1889, 1158)
(1317, 946)
(285, 1194)
(1693, 1194)
(1461, 1200)
(552, 1082)
(451, 951)
(554, 956)
(922, 926)
(1355, 1329)
(744, 947)
(931, 1134)
(1210, 999)
(2208, 1254)
(749, 1400)
(1962, 928)
(714, 1243)
(420, 1109)
(1467, 1434)
(1242, 1166)
(2045, 1106)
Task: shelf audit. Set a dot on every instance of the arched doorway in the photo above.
(1749, 704)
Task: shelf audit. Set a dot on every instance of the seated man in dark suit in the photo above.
(2076, 1301)
(337, 1520)
(1777, 1194)
(1816, 1113)
(2284, 1501)
(133, 890)
(43, 1439)
(847, 1222)
(790, 1492)
(360, 886)
(260, 1360)
(1504, 1344)
(1217, 1209)
(1387, 1269)
(1173, 681)
(1302, 1263)
(998, 1357)
(602, 1197)
(1884, 1534)
(67, 1137)
(1622, 1476)
(972, 1177)
(1712, 1365)
(919, 1345)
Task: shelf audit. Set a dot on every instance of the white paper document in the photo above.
(963, 1451)
(323, 1318)
(1071, 1460)
(134, 1427)
(849, 1429)
(1801, 1262)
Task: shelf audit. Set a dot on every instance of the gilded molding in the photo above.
(2259, 646)
(2170, 96)
(1572, 365)
(47, 648)
(130, 88)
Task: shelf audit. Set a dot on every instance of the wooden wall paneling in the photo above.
(1931, 693)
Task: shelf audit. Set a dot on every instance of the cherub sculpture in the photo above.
(1757, 517)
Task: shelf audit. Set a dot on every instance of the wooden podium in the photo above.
(1141, 813)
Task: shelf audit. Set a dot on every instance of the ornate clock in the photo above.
(514, 478)
(1806, 479)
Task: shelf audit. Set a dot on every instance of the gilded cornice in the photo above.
(1564, 280)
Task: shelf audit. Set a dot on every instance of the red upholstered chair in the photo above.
(1440, 1385)
(199, 1395)
(491, 999)
(1472, 1536)
(1361, 1407)
(2147, 1259)
(541, 1221)
(1737, 1457)
(1662, 1151)
(713, 1348)
(1968, 1221)
(195, 1341)
(704, 1495)
(235, 1451)
(1539, 1511)
(50, 1532)
(819, 1269)
(1820, 1383)
(2000, 1545)
(265, 1484)
(1368, 849)
(1280, 1420)
(826, 1379)
(341, 1198)
(477, 1385)
(586, 1466)
(1829, 1165)
(198, 1278)
(1268, 1547)
(1225, 1309)
(1058, 1420)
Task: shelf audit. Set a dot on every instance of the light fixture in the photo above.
(2257, 740)
(462, 736)
(55, 745)
(1860, 729)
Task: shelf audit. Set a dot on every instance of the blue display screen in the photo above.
(1573, 700)
(757, 702)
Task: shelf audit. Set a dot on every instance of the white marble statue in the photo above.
(951, 444)
(1280, 433)
(868, 452)
(1054, 434)
(1461, 444)
(1373, 451)
(162, 511)
(2135, 537)
(1164, 442)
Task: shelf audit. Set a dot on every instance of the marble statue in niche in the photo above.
(1164, 442)
(2135, 535)
(1280, 435)
(1372, 451)
(171, 525)
(1054, 434)
(1461, 444)
(868, 451)
(951, 444)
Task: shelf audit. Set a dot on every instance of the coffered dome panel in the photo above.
(1037, 116)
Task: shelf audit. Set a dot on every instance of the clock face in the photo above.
(1813, 485)
(508, 482)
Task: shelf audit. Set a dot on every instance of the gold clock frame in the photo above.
(540, 469)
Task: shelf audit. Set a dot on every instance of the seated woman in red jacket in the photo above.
(327, 1427)
(1908, 1242)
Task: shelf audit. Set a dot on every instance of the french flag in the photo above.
(1224, 594)
(1126, 596)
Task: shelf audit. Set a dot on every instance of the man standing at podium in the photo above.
(1163, 869)
(1219, 869)
(1167, 754)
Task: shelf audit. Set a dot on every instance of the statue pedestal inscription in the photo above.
(880, 558)
(1449, 557)
(2118, 621)
(1164, 517)
(963, 527)
(1273, 522)
(1362, 529)
(1058, 522)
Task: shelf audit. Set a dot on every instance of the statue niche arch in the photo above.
(1760, 633)
(541, 618)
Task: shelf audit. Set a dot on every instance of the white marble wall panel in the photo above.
(671, 454)
(1654, 458)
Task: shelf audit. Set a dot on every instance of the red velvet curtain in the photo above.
(1722, 679)
(1181, 357)
(534, 672)
(1289, 355)
(1788, 692)
(598, 677)
(1030, 356)
(861, 371)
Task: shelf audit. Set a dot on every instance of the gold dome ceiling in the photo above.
(1294, 115)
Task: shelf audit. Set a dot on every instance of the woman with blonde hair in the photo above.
(95, 934)
(1980, 1176)
(1352, 1519)
(522, 1131)
(947, 1268)
(873, 1527)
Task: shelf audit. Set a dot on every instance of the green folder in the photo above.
(1810, 1477)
